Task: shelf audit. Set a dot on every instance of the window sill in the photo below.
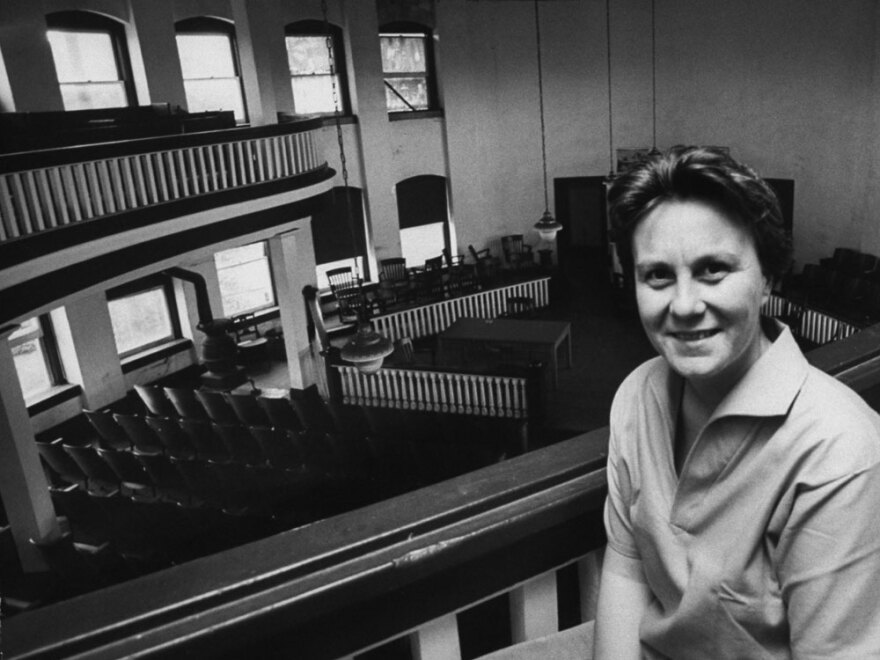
(415, 114)
(51, 398)
(142, 359)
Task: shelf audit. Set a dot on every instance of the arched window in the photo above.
(424, 217)
(91, 60)
(408, 67)
(338, 243)
(209, 62)
(309, 61)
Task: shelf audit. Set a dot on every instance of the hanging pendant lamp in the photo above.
(367, 349)
(547, 226)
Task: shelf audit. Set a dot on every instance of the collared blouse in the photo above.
(767, 545)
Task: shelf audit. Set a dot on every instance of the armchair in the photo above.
(394, 279)
(486, 265)
(517, 253)
(348, 292)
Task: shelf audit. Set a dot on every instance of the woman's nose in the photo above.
(686, 299)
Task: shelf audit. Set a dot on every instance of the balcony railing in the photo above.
(434, 318)
(45, 189)
(813, 325)
(486, 395)
(405, 566)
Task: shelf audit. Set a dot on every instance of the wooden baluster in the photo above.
(230, 161)
(249, 161)
(589, 569)
(223, 179)
(181, 170)
(81, 191)
(157, 168)
(444, 383)
(114, 171)
(19, 201)
(128, 184)
(7, 210)
(192, 173)
(460, 394)
(207, 156)
(29, 183)
(205, 172)
(93, 188)
(70, 196)
(44, 191)
(533, 608)
(313, 151)
(170, 167)
(467, 393)
(140, 180)
(258, 158)
(437, 640)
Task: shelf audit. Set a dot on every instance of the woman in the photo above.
(744, 485)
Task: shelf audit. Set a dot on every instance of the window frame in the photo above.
(405, 28)
(149, 283)
(86, 21)
(45, 335)
(207, 25)
(268, 257)
(315, 28)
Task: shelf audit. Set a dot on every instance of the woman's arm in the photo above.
(623, 598)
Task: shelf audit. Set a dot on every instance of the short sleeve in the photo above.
(828, 563)
(618, 525)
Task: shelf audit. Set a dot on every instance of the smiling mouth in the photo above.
(695, 335)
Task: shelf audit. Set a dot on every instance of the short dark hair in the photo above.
(708, 175)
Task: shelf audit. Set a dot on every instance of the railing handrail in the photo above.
(42, 158)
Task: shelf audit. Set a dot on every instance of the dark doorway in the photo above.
(580, 208)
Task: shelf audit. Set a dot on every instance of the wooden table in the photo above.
(542, 337)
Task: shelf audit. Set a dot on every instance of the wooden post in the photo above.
(533, 608)
(437, 640)
(23, 485)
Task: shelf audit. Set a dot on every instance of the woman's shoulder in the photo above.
(649, 377)
(836, 423)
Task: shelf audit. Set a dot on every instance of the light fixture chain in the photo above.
(610, 116)
(653, 77)
(337, 112)
(541, 105)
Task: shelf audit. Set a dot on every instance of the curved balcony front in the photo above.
(75, 217)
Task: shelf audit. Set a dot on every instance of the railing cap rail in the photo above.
(41, 158)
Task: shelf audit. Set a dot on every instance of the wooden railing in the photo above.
(433, 318)
(46, 189)
(487, 395)
(813, 325)
(403, 567)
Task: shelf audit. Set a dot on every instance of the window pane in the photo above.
(83, 56)
(214, 94)
(27, 327)
(140, 320)
(403, 54)
(30, 363)
(85, 96)
(205, 56)
(307, 55)
(420, 243)
(414, 90)
(245, 280)
(313, 94)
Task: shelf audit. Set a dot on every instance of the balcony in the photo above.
(73, 217)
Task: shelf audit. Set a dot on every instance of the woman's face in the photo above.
(699, 288)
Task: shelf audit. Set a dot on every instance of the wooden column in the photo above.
(437, 640)
(23, 484)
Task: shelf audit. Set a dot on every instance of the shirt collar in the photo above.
(773, 382)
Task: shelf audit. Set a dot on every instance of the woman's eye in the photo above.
(658, 277)
(715, 272)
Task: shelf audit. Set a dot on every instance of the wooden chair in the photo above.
(176, 442)
(101, 480)
(155, 400)
(208, 445)
(141, 436)
(462, 277)
(185, 403)
(520, 307)
(61, 462)
(431, 284)
(252, 346)
(281, 413)
(517, 253)
(217, 407)
(348, 292)
(394, 279)
(278, 446)
(485, 264)
(247, 409)
(134, 480)
(242, 446)
(110, 433)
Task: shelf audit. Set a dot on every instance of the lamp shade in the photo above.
(367, 349)
(547, 227)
